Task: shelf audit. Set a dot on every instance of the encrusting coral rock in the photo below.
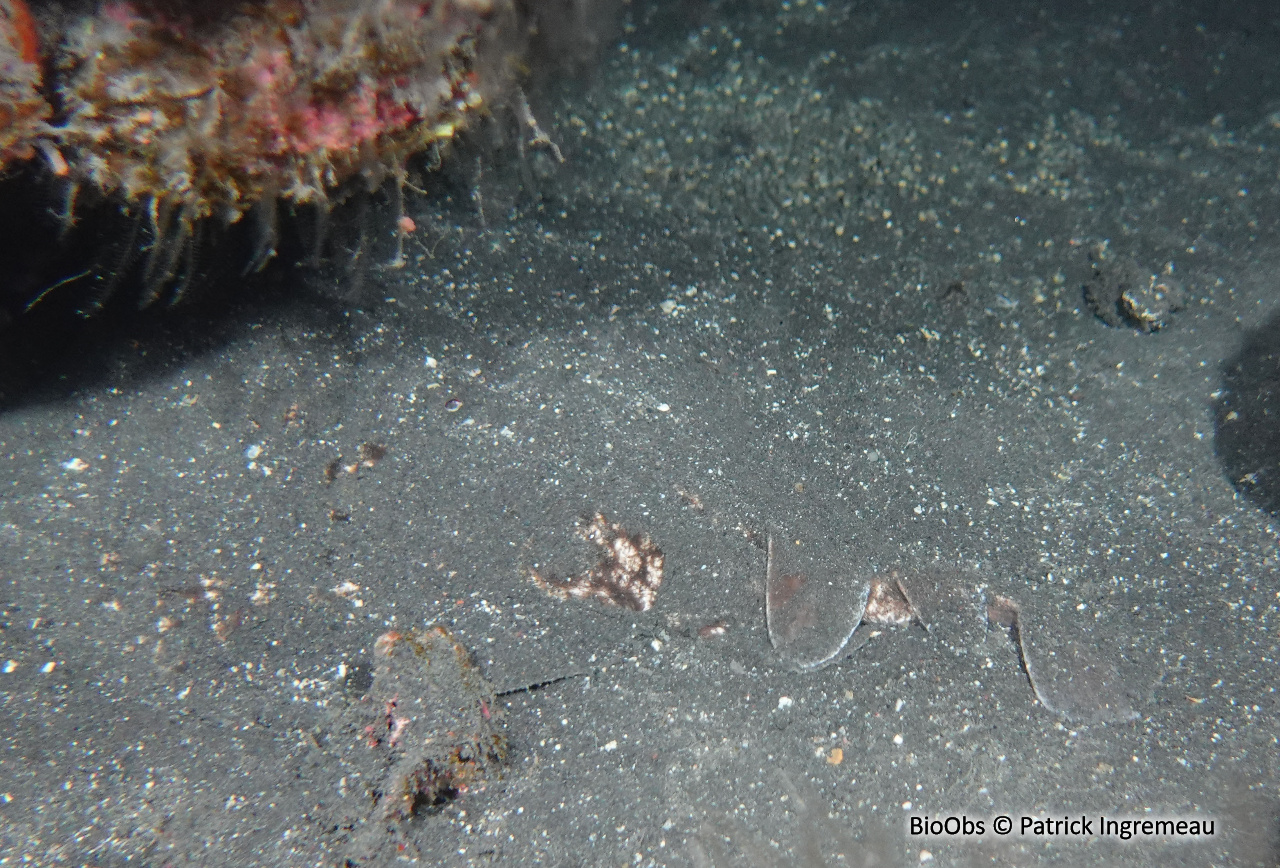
(183, 117)
(23, 109)
(192, 114)
(193, 111)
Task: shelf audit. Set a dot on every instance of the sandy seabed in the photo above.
(879, 276)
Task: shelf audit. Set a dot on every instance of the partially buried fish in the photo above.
(813, 611)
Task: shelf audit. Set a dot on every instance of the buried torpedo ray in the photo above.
(812, 614)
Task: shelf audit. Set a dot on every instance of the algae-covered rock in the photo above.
(428, 734)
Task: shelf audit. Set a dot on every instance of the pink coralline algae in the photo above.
(628, 574)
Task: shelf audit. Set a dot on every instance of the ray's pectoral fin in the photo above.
(1069, 677)
(811, 610)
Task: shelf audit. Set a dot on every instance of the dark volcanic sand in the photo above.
(811, 266)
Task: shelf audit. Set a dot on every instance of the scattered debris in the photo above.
(692, 499)
(368, 455)
(345, 589)
(1121, 293)
(343, 480)
(714, 630)
(629, 572)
